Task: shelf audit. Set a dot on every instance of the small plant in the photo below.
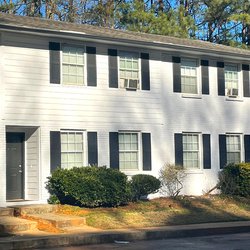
(171, 177)
(143, 185)
(234, 179)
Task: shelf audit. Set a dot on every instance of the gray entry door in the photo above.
(15, 166)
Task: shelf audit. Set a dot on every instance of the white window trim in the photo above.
(199, 79)
(139, 67)
(242, 152)
(84, 69)
(132, 171)
(238, 98)
(200, 168)
(85, 146)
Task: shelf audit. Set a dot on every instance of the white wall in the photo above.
(30, 100)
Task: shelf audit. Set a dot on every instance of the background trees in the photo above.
(218, 21)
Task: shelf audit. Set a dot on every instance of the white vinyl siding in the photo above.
(128, 68)
(189, 76)
(231, 80)
(233, 145)
(72, 65)
(191, 151)
(128, 151)
(72, 149)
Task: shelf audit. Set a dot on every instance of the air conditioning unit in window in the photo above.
(232, 92)
(131, 83)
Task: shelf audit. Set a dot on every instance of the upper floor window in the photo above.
(189, 83)
(233, 147)
(73, 65)
(231, 80)
(72, 149)
(129, 70)
(191, 151)
(128, 151)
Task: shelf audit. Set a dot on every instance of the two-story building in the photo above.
(78, 95)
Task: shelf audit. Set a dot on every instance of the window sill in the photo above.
(234, 99)
(61, 85)
(193, 171)
(192, 96)
(132, 172)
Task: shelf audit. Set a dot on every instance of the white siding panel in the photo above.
(32, 165)
(30, 100)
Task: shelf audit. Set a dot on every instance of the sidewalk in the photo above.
(87, 235)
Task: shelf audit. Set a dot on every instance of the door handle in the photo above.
(20, 171)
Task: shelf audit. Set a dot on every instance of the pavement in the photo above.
(86, 235)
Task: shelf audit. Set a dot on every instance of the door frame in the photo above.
(22, 139)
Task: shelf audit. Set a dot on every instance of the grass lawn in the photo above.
(165, 211)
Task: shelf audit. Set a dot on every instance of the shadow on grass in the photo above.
(2, 235)
(200, 210)
(179, 211)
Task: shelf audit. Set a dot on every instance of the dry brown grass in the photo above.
(165, 211)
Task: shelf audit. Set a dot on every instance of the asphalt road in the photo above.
(220, 242)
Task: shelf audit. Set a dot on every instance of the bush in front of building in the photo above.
(142, 185)
(234, 179)
(89, 187)
(172, 177)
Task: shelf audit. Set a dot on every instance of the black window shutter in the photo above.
(92, 148)
(55, 150)
(145, 75)
(91, 66)
(177, 73)
(54, 53)
(247, 147)
(206, 151)
(146, 154)
(114, 150)
(205, 76)
(113, 68)
(246, 87)
(221, 78)
(222, 150)
(178, 149)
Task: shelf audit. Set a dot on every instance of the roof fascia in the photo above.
(155, 45)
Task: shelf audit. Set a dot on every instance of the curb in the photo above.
(206, 229)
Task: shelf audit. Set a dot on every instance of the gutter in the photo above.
(155, 45)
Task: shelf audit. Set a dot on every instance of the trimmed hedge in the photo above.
(89, 187)
(142, 185)
(234, 179)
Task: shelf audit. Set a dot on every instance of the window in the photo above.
(233, 146)
(191, 151)
(72, 65)
(72, 153)
(129, 70)
(231, 80)
(128, 151)
(189, 76)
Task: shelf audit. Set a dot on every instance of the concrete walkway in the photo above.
(87, 235)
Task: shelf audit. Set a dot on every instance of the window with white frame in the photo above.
(191, 151)
(231, 80)
(128, 151)
(72, 65)
(233, 145)
(72, 149)
(129, 70)
(189, 83)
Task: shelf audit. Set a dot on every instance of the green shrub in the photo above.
(89, 186)
(234, 179)
(142, 185)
